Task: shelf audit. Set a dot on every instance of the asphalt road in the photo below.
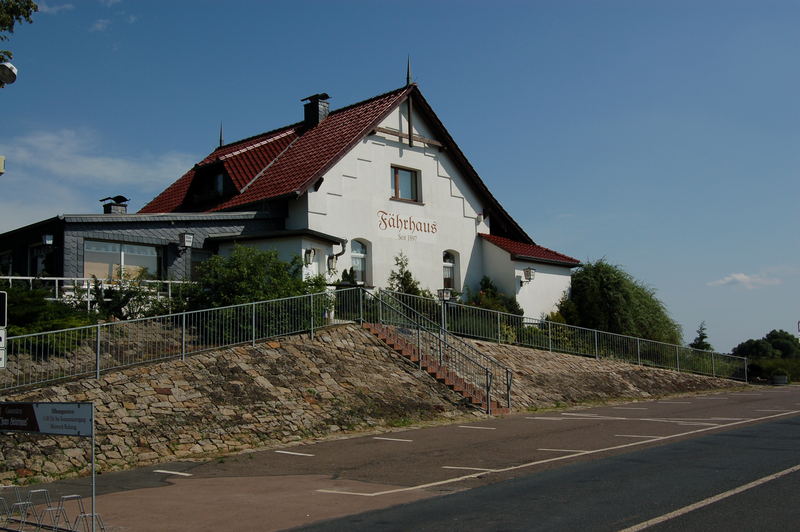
(623, 491)
(607, 467)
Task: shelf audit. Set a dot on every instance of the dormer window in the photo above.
(210, 186)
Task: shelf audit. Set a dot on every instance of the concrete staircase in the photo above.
(428, 361)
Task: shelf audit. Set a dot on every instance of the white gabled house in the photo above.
(347, 188)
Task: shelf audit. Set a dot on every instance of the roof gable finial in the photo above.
(221, 137)
(409, 79)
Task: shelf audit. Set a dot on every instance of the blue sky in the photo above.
(661, 136)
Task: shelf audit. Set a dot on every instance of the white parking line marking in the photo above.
(781, 410)
(563, 450)
(710, 500)
(166, 472)
(554, 459)
(629, 408)
(389, 439)
(712, 398)
(674, 402)
(467, 468)
(476, 427)
(294, 454)
(547, 418)
(635, 436)
(589, 416)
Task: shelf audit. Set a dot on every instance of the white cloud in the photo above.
(100, 25)
(66, 171)
(750, 282)
(109, 3)
(54, 10)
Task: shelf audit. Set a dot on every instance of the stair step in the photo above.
(475, 395)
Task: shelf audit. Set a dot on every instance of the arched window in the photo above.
(358, 258)
(449, 263)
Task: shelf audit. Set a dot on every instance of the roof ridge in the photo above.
(300, 123)
(257, 144)
(368, 100)
(269, 164)
(252, 137)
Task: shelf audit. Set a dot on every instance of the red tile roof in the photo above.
(531, 252)
(261, 167)
(290, 160)
(243, 160)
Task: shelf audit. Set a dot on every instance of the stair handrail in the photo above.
(487, 372)
(460, 351)
(489, 361)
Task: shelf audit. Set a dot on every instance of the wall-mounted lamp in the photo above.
(308, 256)
(185, 240)
(444, 294)
(528, 274)
(47, 240)
(331, 263)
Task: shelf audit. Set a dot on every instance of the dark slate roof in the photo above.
(161, 217)
(282, 233)
(531, 252)
(286, 162)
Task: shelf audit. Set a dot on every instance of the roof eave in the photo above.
(527, 258)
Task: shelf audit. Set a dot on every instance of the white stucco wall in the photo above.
(541, 295)
(354, 202)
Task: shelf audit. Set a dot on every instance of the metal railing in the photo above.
(500, 373)
(501, 327)
(41, 358)
(36, 359)
(428, 345)
(79, 291)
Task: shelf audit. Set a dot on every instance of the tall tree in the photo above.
(605, 297)
(700, 341)
(775, 344)
(12, 12)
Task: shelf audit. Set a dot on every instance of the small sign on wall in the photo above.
(408, 228)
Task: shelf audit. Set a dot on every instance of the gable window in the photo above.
(449, 270)
(405, 184)
(358, 258)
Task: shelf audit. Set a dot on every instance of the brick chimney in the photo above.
(115, 208)
(115, 205)
(316, 110)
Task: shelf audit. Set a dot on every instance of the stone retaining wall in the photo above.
(544, 379)
(230, 400)
(289, 390)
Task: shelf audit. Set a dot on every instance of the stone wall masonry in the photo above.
(231, 400)
(292, 389)
(545, 379)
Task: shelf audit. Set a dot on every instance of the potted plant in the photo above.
(780, 376)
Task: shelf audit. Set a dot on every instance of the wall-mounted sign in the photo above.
(408, 228)
(70, 419)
